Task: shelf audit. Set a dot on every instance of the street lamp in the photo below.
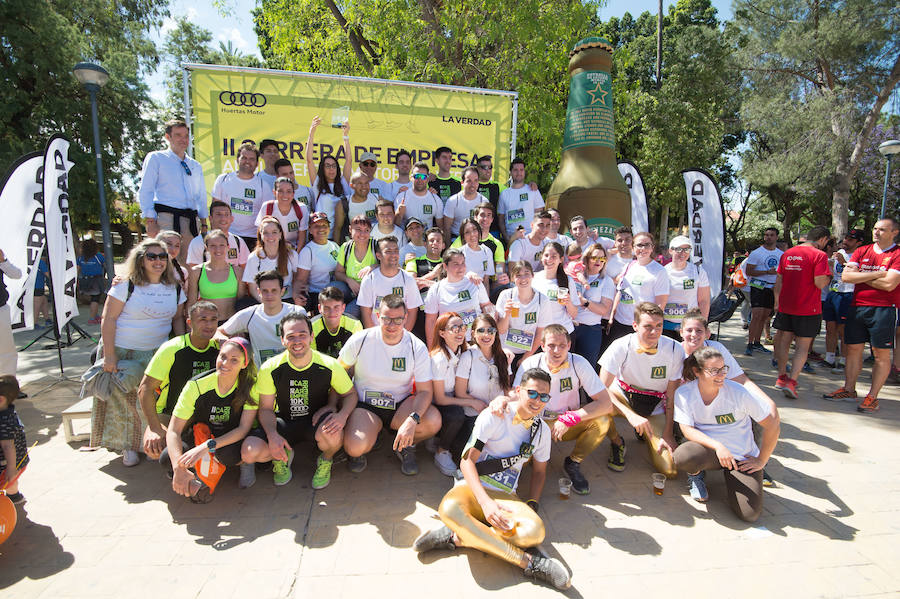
(888, 149)
(93, 77)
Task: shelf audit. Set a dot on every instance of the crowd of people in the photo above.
(442, 314)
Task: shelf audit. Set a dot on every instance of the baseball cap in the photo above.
(413, 220)
(855, 234)
(679, 241)
(368, 156)
(317, 216)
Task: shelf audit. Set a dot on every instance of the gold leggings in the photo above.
(462, 514)
(588, 436)
(663, 462)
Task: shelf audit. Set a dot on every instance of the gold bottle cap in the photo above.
(591, 42)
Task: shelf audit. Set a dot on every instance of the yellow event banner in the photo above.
(233, 104)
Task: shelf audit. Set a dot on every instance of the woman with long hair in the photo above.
(598, 295)
(455, 293)
(272, 252)
(172, 240)
(559, 287)
(216, 280)
(715, 415)
(522, 313)
(223, 403)
(448, 341)
(479, 259)
(329, 187)
(138, 315)
(643, 280)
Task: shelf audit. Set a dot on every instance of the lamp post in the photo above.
(887, 149)
(93, 77)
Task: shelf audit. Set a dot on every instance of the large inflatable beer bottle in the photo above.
(588, 181)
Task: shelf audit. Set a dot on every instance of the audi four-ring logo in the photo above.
(229, 98)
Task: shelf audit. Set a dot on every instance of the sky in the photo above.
(238, 26)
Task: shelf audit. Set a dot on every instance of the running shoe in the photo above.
(444, 462)
(439, 538)
(358, 464)
(830, 365)
(759, 347)
(549, 570)
(697, 486)
(790, 389)
(322, 476)
(17, 498)
(814, 355)
(745, 326)
(768, 481)
(248, 476)
(868, 405)
(407, 457)
(808, 369)
(130, 458)
(616, 459)
(579, 483)
(781, 382)
(840, 395)
(281, 470)
(749, 350)
(48, 323)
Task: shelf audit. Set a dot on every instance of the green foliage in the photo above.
(40, 42)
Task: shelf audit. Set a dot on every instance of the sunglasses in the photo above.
(456, 328)
(153, 257)
(486, 331)
(368, 163)
(187, 169)
(716, 371)
(486, 167)
(420, 176)
(544, 397)
(682, 250)
(600, 259)
(398, 321)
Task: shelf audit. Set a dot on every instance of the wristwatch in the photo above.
(416, 417)
(211, 445)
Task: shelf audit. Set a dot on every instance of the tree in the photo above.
(515, 45)
(831, 66)
(41, 42)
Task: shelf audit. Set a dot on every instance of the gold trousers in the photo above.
(588, 436)
(663, 462)
(462, 514)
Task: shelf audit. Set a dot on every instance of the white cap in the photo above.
(679, 241)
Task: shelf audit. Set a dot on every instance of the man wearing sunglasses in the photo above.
(420, 202)
(368, 164)
(570, 373)
(485, 513)
(172, 193)
(391, 371)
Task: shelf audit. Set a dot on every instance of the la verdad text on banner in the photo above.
(231, 105)
(60, 239)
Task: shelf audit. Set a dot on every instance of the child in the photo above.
(13, 451)
(574, 266)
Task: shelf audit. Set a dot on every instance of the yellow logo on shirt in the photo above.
(565, 384)
(398, 364)
(530, 317)
(658, 372)
(725, 419)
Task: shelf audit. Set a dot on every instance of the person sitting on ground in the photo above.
(216, 280)
(13, 447)
(261, 323)
(449, 342)
(715, 418)
(272, 252)
(176, 362)
(484, 512)
(138, 315)
(354, 261)
(388, 279)
(642, 371)
(392, 376)
(220, 217)
(224, 404)
(331, 328)
(295, 391)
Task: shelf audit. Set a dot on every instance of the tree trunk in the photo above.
(352, 36)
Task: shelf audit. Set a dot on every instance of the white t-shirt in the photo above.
(576, 373)
(763, 259)
(384, 374)
(426, 208)
(522, 328)
(523, 249)
(326, 202)
(381, 189)
(366, 208)
(549, 287)
(564, 240)
(291, 224)
(837, 284)
(443, 369)
(375, 286)
(237, 251)
(615, 265)
(146, 318)
(255, 265)
(727, 419)
(503, 439)
(245, 196)
(598, 289)
(397, 232)
(459, 208)
(462, 297)
(263, 330)
(640, 284)
(410, 248)
(320, 261)
(519, 207)
(480, 261)
(482, 377)
(396, 185)
(644, 371)
(683, 287)
(302, 194)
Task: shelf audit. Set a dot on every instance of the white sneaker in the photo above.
(131, 458)
(445, 463)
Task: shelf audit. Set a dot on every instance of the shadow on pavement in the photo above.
(33, 551)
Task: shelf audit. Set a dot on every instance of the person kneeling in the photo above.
(296, 404)
(483, 511)
(225, 402)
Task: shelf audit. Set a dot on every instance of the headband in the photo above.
(244, 345)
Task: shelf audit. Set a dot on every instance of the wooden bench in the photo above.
(79, 411)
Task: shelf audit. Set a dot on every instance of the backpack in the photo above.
(270, 209)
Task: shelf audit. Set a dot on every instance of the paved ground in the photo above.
(93, 528)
